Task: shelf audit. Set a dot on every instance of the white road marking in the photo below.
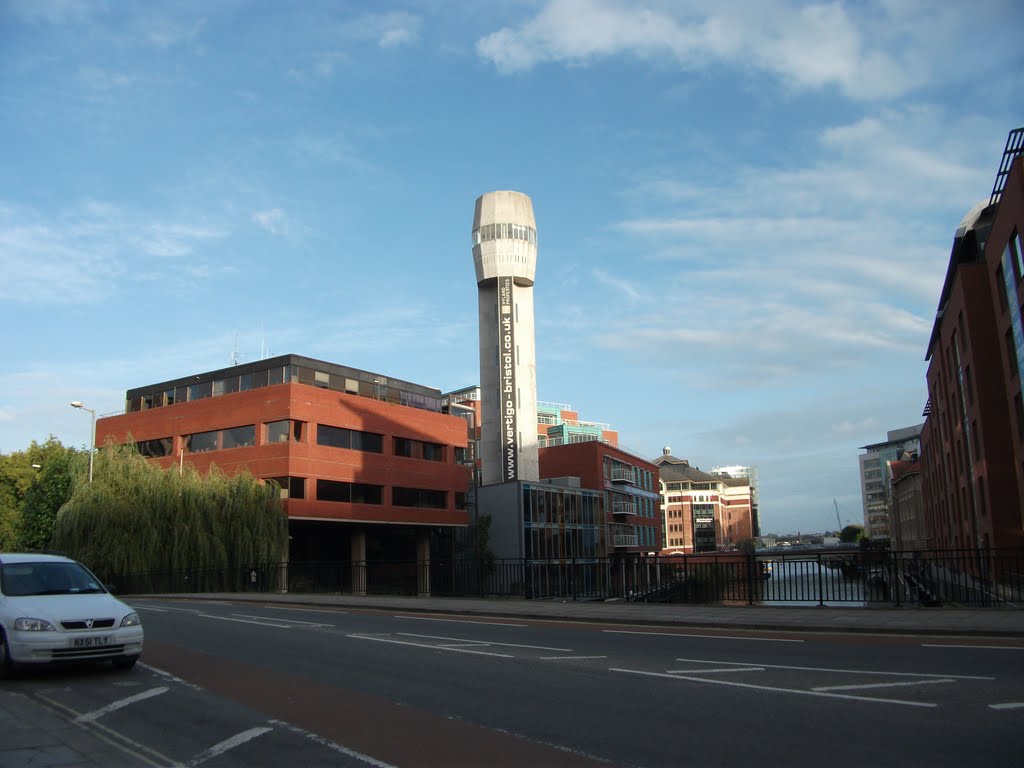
(830, 669)
(902, 683)
(797, 691)
(235, 741)
(485, 642)
(164, 608)
(461, 621)
(303, 609)
(88, 717)
(333, 746)
(430, 647)
(975, 647)
(246, 621)
(143, 755)
(705, 637)
(150, 608)
(570, 658)
(169, 677)
(290, 621)
(706, 671)
(1008, 705)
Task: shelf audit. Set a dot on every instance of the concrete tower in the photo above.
(505, 257)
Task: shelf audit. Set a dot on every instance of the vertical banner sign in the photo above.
(507, 380)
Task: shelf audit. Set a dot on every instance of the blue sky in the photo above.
(744, 209)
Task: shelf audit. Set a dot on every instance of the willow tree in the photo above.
(138, 518)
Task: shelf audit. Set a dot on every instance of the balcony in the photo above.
(624, 508)
(623, 474)
(624, 540)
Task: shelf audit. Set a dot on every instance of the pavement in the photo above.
(32, 735)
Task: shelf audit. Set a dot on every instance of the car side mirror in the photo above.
(112, 589)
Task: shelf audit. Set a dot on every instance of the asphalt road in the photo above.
(251, 685)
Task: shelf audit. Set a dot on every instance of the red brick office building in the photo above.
(972, 443)
(368, 466)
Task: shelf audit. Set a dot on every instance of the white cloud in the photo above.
(390, 30)
(623, 286)
(78, 255)
(273, 221)
(873, 50)
(104, 80)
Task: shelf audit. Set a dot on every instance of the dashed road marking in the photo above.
(1008, 705)
(247, 621)
(429, 646)
(776, 689)
(901, 683)
(461, 621)
(484, 642)
(703, 637)
(88, 717)
(235, 741)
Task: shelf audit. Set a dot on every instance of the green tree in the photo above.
(30, 481)
(138, 518)
(851, 534)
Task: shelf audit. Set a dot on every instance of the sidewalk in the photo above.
(992, 622)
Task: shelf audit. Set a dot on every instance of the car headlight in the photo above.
(33, 625)
(131, 620)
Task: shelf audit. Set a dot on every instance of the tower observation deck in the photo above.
(505, 258)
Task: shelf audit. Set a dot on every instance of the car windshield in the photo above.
(46, 578)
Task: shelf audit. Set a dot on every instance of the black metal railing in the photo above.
(854, 576)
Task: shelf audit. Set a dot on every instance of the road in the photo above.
(226, 684)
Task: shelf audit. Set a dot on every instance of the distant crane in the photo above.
(838, 521)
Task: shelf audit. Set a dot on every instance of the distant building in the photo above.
(559, 424)
(365, 463)
(750, 473)
(701, 512)
(900, 445)
(972, 458)
(907, 524)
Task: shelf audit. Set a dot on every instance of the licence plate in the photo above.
(91, 642)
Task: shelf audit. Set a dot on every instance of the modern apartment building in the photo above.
(367, 465)
(559, 424)
(972, 444)
(701, 512)
(628, 484)
(899, 445)
(738, 471)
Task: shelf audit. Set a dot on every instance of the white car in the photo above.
(53, 609)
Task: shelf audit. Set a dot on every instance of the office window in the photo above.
(283, 431)
(154, 449)
(239, 437)
(1001, 288)
(339, 437)
(290, 487)
(200, 391)
(201, 442)
(355, 493)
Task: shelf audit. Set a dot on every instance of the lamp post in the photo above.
(92, 435)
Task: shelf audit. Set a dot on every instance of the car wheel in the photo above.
(125, 662)
(6, 665)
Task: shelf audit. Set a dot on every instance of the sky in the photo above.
(744, 208)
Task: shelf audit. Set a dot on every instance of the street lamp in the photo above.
(92, 437)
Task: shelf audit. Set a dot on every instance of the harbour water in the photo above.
(807, 582)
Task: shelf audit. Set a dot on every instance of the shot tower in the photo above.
(505, 257)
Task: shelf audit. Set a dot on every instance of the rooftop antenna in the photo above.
(235, 357)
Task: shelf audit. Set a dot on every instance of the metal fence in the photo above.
(977, 578)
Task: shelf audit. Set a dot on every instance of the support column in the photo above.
(423, 563)
(358, 548)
